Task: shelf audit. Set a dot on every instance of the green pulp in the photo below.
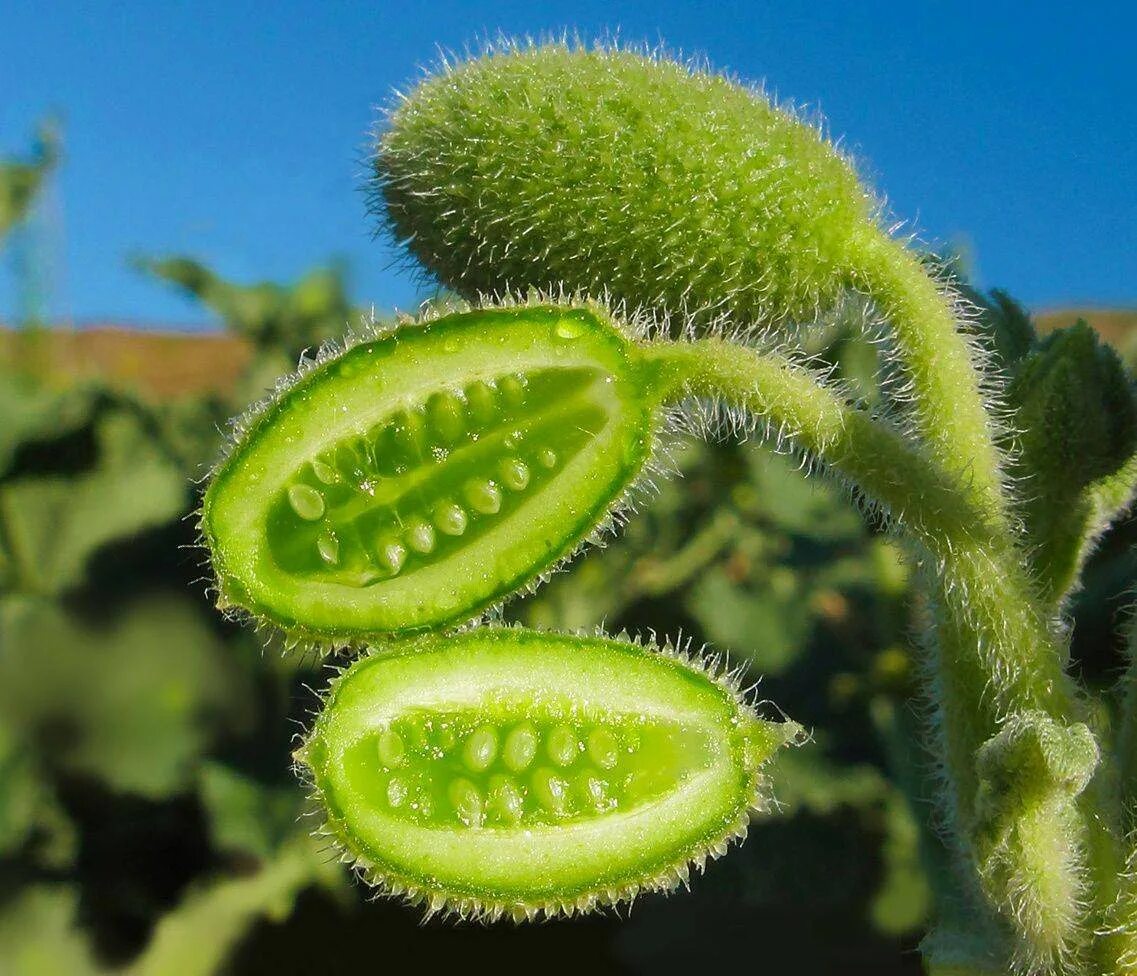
(486, 770)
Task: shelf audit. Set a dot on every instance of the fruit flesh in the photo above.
(500, 768)
(418, 478)
(430, 479)
(488, 769)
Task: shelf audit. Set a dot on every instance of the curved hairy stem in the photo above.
(1016, 662)
(946, 390)
(892, 474)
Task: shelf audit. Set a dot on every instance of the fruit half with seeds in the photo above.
(506, 772)
(418, 478)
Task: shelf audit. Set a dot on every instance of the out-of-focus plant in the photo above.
(21, 179)
(95, 483)
(273, 317)
(126, 714)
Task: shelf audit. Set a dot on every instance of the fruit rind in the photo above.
(552, 868)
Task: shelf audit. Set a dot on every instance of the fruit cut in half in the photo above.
(417, 479)
(510, 772)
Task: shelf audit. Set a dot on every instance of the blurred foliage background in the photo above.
(149, 822)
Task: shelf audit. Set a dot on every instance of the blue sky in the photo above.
(235, 131)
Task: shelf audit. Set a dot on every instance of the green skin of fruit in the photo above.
(532, 771)
(615, 173)
(419, 478)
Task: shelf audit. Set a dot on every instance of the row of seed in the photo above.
(481, 496)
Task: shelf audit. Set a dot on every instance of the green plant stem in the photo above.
(892, 474)
(1004, 650)
(661, 576)
(952, 420)
(946, 395)
(997, 652)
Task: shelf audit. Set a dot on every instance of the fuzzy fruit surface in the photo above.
(415, 479)
(509, 771)
(622, 174)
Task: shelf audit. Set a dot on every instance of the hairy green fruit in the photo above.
(418, 478)
(511, 772)
(613, 172)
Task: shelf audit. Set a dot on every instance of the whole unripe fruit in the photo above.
(611, 171)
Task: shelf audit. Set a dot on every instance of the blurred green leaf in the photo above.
(245, 816)
(50, 526)
(273, 316)
(1076, 415)
(1003, 323)
(904, 900)
(810, 508)
(21, 179)
(133, 702)
(33, 411)
(28, 807)
(767, 622)
(805, 780)
(38, 936)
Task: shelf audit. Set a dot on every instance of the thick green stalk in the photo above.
(946, 396)
(885, 467)
(951, 418)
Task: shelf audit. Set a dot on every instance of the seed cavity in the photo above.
(551, 790)
(512, 389)
(594, 791)
(328, 546)
(481, 748)
(391, 555)
(467, 802)
(603, 749)
(397, 792)
(448, 468)
(392, 751)
(505, 802)
(569, 329)
(563, 764)
(452, 769)
(410, 434)
(420, 537)
(482, 403)
(562, 745)
(324, 472)
(447, 415)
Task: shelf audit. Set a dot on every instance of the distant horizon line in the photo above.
(88, 323)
